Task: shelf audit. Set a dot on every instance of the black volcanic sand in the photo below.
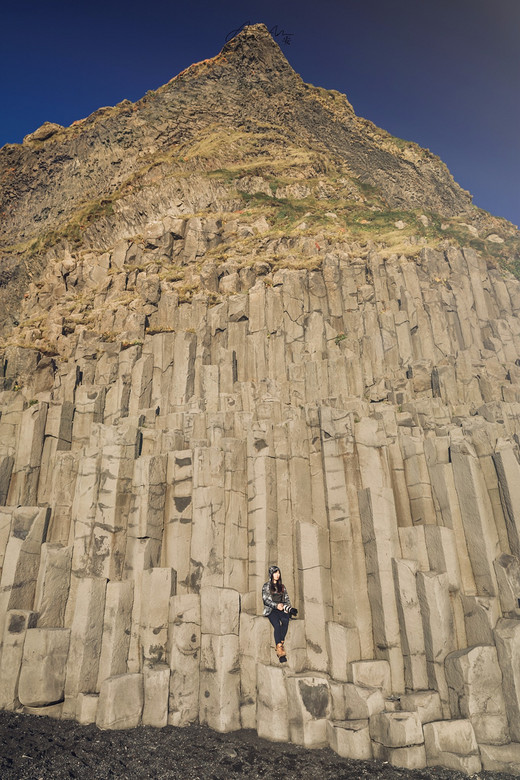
(37, 747)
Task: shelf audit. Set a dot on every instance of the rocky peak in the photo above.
(254, 56)
(240, 122)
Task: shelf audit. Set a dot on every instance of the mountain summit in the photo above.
(241, 115)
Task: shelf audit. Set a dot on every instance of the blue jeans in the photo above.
(280, 623)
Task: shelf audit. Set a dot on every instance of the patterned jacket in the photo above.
(269, 604)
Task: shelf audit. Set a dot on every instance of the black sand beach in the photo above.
(37, 747)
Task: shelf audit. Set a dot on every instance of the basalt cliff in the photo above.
(243, 326)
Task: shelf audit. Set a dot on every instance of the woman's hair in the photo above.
(276, 587)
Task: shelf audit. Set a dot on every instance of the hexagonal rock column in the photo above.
(381, 542)
(313, 550)
(156, 689)
(27, 531)
(272, 715)
(439, 636)
(44, 663)
(157, 587)
(410, 621)
(475, 688)
(507, 638)
(350, 739)
(219, 696)
(308, 702)
(507, 570)
(16, 626)
(184, 644)
(254, 637)
(508, 472)
(501, 758)
(85, 642)
(52, 585)
(117, 621)
(397, 737)
(476, 511)
(452, 743)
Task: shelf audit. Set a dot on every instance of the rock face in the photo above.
(246, 380)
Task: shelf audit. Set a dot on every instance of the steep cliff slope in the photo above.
(256, 329)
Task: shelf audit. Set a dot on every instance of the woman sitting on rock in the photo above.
(277, 607)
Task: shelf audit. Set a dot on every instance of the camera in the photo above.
(292, 611)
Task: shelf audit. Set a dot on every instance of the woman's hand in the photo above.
(279, 606)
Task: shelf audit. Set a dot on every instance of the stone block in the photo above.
(309, 705)
(442, 553)
(342, 648)
(410, 757)
(475, 690)
(396, 729)
(427, 705)
(452, 743)
(120, 703)
(501, 758)
(353, 702)
(272, 715)
(51, 711)
(86, 708)
(372, 674)
(413, 546)
(184, 643)
(16, 626)
(481, 614)
(350, 739)
(44, 664)
(295, 644)
(219, 698)
(156, 692)
(220, 610)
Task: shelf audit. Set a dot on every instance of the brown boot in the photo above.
(280, 652)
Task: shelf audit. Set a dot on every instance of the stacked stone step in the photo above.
(357, 425)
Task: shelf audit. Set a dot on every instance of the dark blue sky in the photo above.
(443, 73)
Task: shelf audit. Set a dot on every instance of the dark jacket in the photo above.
(267, 598)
